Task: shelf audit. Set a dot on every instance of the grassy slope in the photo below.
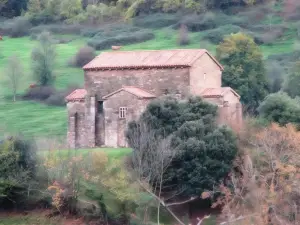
(35, 119)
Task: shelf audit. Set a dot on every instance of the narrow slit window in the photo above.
(122, 112)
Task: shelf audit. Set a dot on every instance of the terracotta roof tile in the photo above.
(78, 94)
(146, 59)
(138, 92)
(217, 92)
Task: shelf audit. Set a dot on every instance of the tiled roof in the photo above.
(146, 59)
(217, 92)
(138, 92)
(78, 94)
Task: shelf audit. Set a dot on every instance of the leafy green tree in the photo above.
(244, 69)
(43, 59)
(292, 84)
(52, 7)
(280, 108)
(204, 151)
(14, 74)
(34, 7)
(70, 8)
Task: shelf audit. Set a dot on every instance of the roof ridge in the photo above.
(154, 50)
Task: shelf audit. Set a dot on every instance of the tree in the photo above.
(17, 171)
(70, 8)
(12, 8)
(14, 74)
(43, 58)
(292, 83)
(200, 153)
(280, 108)
(34, 7)
(265, 188)
(244, 69)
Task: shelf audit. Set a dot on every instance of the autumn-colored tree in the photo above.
(244, 69)
(265, 191)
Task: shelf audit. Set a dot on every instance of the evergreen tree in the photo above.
(244, 69)
(204, 151)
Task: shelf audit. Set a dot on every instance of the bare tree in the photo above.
(265, 190)
(14, 74)
(151, 158)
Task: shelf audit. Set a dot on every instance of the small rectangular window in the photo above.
(122, 112)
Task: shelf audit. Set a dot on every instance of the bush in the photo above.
(157, 20)
(209, 21)
(57, 29)
(40, 93)
(109, 31)
(280, 108)
(217, 35)
(58, 97)
(17, 171)
(83, 56)
(266, 34)
(19, 27)
(135, 37)
(197, 23)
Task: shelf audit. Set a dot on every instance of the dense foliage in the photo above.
(96, 11)
(204, 151)
(280, 108)
(17, 171)
(244, 69)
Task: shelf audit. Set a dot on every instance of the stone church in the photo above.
(118, 85)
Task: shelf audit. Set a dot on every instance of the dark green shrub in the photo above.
(57, 29)
(43, 18)
(280, 108)
(83, 56)
(109, 31)
(135, 37)
(209, 21)
(217, 35)
(39, 93)
(58, 97)
(196, 23)
(19, 27)
(18, 170)
(157, 20)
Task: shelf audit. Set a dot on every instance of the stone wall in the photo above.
(156, 81)
(231, 115)
(114, 126)
(204, 73)
(76, 124)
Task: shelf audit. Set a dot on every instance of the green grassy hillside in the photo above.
(37, 119)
